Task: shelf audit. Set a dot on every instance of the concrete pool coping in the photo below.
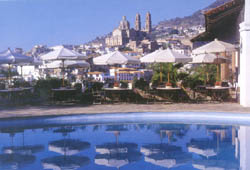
(34, 111)
(223, 113)
(213, 118)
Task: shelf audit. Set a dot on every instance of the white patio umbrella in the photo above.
(215, 47)
(11, 58)
(208, 58)
(68, 64)
(165, 56)
(115, 58)
(63, 54)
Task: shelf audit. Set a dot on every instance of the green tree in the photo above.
(165, 68)
(200, 75)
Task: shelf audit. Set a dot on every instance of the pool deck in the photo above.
(31, 111)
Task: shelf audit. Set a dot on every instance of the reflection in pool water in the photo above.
(126, 147)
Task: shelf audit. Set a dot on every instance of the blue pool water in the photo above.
(80, 142)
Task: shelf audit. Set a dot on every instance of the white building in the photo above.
(29, 73)
(100, 76)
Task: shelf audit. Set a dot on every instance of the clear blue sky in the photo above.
(25, 23)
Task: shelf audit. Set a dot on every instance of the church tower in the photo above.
(148, 27)
(138, 22)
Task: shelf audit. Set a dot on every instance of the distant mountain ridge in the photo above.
(196, 18)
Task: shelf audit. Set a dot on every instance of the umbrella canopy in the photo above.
(209, 58)
(65, 162)
(10, 57)
(110, 162)
(63, 54)
(157, 148)
(117, 155)
(68, 64)
(204, 147)
(215, 164)
(15, 160)
(118, 159)
(27, 149)
(115, 58)
(110, 148)
(169, 160)
(165, 155)
(165, 56)
(68, 146)
(215, 46)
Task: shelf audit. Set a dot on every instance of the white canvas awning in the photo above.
(68, 64)
(63, 54)
(215, 46)
(115, 58)
(209, 58)
(165, 56)
(10, 57)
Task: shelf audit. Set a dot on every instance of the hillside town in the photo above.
(135, 42)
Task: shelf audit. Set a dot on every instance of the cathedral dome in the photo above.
(124, 24)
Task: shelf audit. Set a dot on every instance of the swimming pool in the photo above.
(131, 141)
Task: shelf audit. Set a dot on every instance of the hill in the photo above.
(196, 18)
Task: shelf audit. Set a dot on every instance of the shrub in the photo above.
(21, 83)
(141, 84)
(96, 86)
(124, 84)
(78, 87)
(2, 85)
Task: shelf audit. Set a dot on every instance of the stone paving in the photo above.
(30, 111)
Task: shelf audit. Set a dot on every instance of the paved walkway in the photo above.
(10, 112)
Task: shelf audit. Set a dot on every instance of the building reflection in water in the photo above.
(244, 149)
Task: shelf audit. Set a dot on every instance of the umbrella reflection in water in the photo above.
(214, 164)
(213, 156)
(117, 154)
(116, 129)
(172, 131)
(67, 148)
(65, 162)
(203, 147)
(165, 155)
(16, 157)
(15, 160)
